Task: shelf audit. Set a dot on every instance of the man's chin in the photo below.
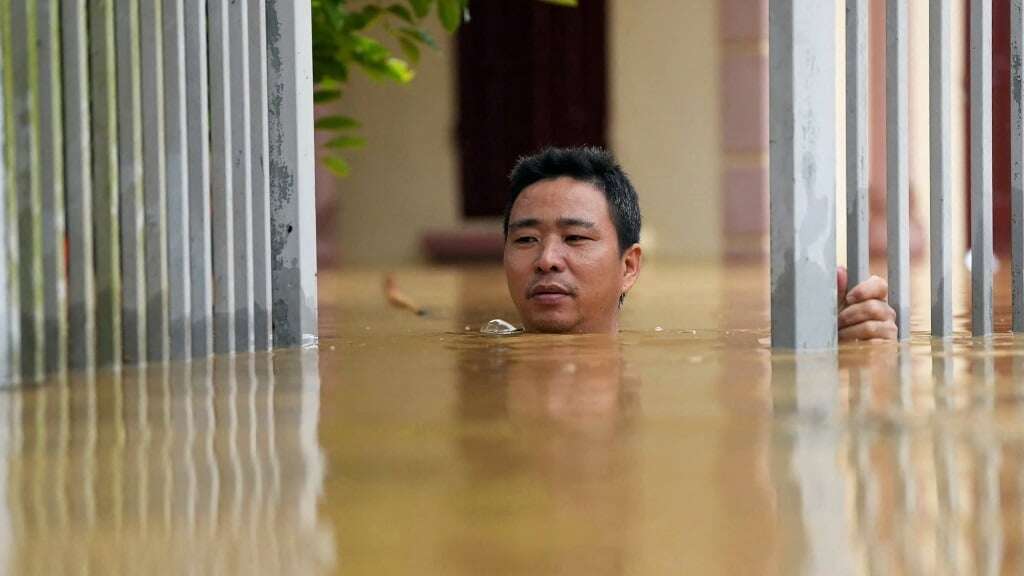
(551, 324)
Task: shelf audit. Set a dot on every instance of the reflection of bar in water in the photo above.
(236, 456)
(821, 481)
(989, 539)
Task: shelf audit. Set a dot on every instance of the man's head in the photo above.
(572, 231)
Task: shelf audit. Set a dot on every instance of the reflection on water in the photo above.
(568, 406)
(416, 445)
(899, 463)
(211, 468)
(690, 449)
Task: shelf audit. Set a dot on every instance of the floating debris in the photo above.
(499, 327)
(398, 299)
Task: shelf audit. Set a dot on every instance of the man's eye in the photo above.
(525, 240)
(575, 238)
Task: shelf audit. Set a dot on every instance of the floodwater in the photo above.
(415, 445)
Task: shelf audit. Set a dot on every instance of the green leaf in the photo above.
(450, 13)
(400, 71)
(419, 35)
(363, 18)
(330, 84)
(326, 95)
(421, 7)
(345, 142)
(402, 12)
(410, 49)
(561, 2)
(337, 165)
(337, 123)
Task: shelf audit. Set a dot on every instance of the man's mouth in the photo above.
(549, 293)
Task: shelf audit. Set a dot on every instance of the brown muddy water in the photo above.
(415, 445)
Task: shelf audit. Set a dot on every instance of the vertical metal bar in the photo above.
(55, 328)
(130, 171)
(940, 56)
(29, 193)
(292, 186)
(262, 306)
(7, 304)
(897, 162)
(241, 161)
(78, 185)
(106, 247)
(1017, 159)
(178, 266)
(155, 178)
(222, 209)
(803, 159)
(200, 248)
(857, 127)
(981, 167)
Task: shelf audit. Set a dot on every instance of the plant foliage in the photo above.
(383, 39)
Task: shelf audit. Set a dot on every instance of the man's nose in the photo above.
(550, 258)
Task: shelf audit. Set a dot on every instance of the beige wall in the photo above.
(405, 180)
(663, 125)
(664, 121)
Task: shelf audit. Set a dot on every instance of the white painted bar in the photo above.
(1017, 160)
(51, 143)
(130, 171)
(898, 162)
(28, 208)
(200, 247)
(7, 269)
(292, 186)
(155, 178)
(857, 129)
(78, 174)
(176, 142)
(803, 164)
(103, 129)
(941, 141)
(981, 167)
(222, 205)
(241, 162)
(262, 298)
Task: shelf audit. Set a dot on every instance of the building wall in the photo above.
(664, 126)
(744, 114)
(405, 180)
(664, 121)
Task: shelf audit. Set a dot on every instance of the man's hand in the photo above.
(864, 313)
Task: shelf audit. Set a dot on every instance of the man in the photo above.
(572, 252)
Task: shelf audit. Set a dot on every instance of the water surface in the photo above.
(416, 445)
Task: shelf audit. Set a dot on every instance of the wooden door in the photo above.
(530, 74)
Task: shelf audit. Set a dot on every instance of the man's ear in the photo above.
(631, 267)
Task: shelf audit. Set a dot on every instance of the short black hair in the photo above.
(587, 164)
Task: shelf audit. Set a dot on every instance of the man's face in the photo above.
(562, 260)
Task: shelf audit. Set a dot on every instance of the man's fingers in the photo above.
(873, 288)
(842, 279)
(871, 330)
(864, 312)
